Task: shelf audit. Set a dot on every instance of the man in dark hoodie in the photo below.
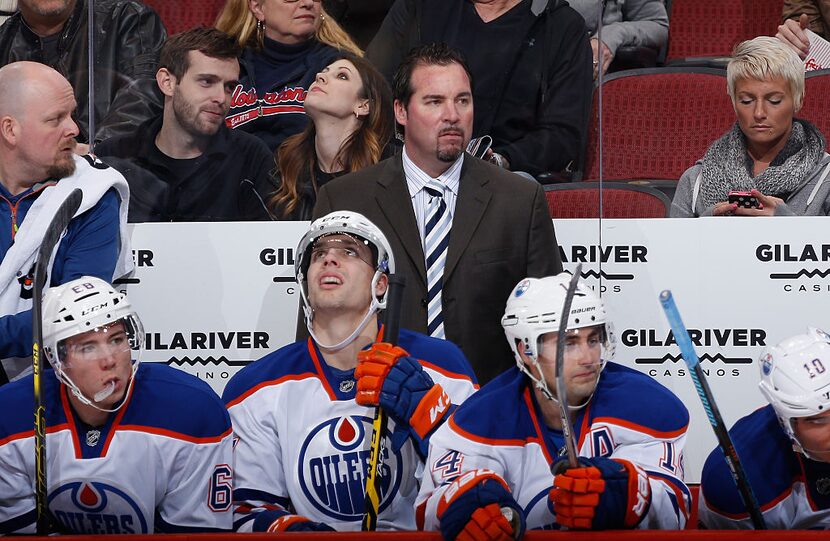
(531, 67)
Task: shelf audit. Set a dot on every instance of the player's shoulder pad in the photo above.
(441, 355)
(635, 398)
(497, 413)
(289, 360)
(17, 402)
(767, 457)
(93, 162)
(170, 399)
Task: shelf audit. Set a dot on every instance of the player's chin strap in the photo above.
(374, 306)
(80, 396)
(542, 385)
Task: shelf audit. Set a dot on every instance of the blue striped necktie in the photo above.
(436, 241)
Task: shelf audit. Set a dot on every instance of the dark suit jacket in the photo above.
(501, 233)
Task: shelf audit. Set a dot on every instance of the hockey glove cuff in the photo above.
(478, 506)
(603, 494)
(373, 366)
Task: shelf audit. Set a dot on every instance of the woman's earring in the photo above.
(322, 16)
(260, 28)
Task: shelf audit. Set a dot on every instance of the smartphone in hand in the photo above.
(743, 199)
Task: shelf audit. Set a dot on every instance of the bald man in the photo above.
(128, 37)
(38, 170)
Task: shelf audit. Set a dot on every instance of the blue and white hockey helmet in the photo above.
(534, 309)
(87, 304)
(795, 378)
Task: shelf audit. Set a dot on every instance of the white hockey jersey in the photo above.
(792, 490)
(501, 428)
(162, 463)
(302, 442)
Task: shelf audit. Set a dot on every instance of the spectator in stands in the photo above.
(800, 15)
(128, 36)
(625, 23)
(531, 67)
(286, 45)
(186, 164)
(38, 171)
(779, 159)
(350, 107)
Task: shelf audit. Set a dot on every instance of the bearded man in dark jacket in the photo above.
(128, 36)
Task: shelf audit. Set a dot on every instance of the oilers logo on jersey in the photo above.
(97, 508)
(334, 460)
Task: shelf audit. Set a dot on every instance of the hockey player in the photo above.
(303, 414)
(784, 447)
(489, 466)
(129, 448)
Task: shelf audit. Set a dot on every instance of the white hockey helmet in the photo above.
(795, 378)
(80, 306)
(534, 309)
(354, 224)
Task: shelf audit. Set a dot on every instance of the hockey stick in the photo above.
(561, 387)
(59, 222)
(687, 350)
(391, 328)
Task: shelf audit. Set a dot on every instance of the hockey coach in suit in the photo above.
(466, 231)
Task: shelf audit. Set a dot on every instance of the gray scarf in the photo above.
(727, 166)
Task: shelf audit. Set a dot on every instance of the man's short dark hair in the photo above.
(208, 41)
(432, 54)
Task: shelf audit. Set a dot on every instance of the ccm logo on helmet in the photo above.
(91, 309)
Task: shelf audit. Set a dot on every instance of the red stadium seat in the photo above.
(705, 28)
(582, 199)
(816, 107)
(657, 122)
(180, 15)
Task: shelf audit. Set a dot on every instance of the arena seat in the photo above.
(816, 107)
(183, 15)
(711, 28)
(657, 122)
(619, 200)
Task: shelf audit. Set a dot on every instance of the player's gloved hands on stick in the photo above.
(297, 523)
(602, 494)
(478, 506)
(387, 376)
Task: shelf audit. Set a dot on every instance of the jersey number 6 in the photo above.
(219, 497)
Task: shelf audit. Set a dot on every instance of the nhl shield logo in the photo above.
(522, 288)
(91, 507)
(766, 364)
(334, 459)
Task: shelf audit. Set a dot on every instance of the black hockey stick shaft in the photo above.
(687, 350)
(59, 222)
(391, 329)
(561, 386)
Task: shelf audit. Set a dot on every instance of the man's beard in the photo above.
(449, 154)
(39, 10)
(187, 116)
(62, 168)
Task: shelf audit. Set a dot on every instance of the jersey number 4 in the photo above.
(221, 489)
(449, 465)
